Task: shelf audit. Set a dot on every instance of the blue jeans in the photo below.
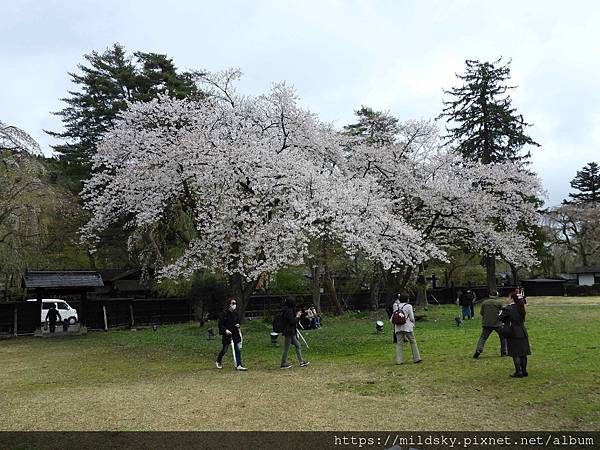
(466, 312)
(237, 352)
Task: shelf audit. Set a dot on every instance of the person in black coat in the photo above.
(290, 333)
(229, 329)
(466, 300)
(52, 317)
(518, 339)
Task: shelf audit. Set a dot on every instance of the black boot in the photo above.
(518, 369)
(524, 365)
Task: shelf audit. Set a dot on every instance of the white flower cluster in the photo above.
(451, 201)
(259, 177)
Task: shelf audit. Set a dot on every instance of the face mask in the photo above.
(232, 307)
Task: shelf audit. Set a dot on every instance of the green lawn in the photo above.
(166, 380)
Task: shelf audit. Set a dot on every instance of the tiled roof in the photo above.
(588, 269)
(61, 279)
(544, 280)
(109, 274)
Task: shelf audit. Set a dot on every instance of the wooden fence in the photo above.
(22, 318)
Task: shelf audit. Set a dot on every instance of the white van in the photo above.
(63, 308)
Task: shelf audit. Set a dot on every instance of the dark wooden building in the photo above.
(49, 283)
(544, 286)
(587, 276)
(124, 283)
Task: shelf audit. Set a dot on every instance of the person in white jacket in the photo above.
(405, 331)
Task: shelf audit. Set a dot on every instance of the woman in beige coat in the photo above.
(405, 331)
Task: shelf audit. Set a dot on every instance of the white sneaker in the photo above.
(219, 365)
(242, 368)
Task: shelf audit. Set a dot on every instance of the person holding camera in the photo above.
(403, 319)
(513, 316)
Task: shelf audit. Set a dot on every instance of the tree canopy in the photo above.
(481, 121)
(373, 127)
(258, 177)
(106, 82)
(587, 184)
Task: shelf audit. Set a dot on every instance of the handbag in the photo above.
(506, 330)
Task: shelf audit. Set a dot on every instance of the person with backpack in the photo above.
(513, 316)
(404, 322)
(53, 316)
(288, 324)
(229, 329)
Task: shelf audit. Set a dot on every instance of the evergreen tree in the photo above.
(373, 127)
(106, 83)
(482, 123)
(484, 126)
(587, 182)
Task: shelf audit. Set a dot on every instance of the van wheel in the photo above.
(72, 320)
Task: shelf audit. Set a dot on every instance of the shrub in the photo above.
(580, 291)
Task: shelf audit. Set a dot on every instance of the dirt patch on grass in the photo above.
(263, 400)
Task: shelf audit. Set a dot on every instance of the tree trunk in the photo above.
(391, 287)
(514, 270)
(339, 309)
(376, 283)
(197, 297)
(242, 290)
(91, 259)
(490, 267)
(7, 284)
(583, 254)
(405, 278)
(315, 284)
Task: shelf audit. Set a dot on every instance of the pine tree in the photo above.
(106, 83)
(373, 127)
(484, 126)
(482, 123)
(587, 182)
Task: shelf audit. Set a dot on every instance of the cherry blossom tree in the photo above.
(15, 140)
(450, 200)
(255, 177)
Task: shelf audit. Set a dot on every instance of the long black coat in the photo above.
(289, 321)
(518, 343)
(228, 321)
(53, 315)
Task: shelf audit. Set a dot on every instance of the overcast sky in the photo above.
(390, 55)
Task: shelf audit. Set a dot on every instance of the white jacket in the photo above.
(407, 309)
